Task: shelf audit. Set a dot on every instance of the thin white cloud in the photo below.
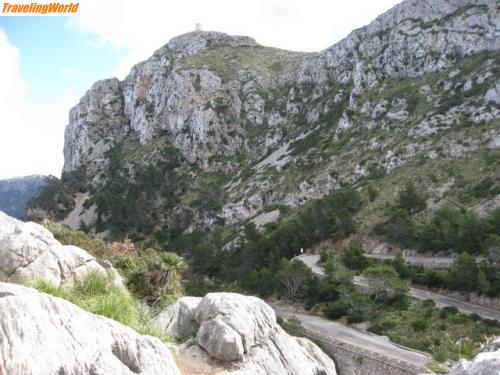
(31, 134)
(13, 87)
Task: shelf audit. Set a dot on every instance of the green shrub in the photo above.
(428, 303)
(356, 316)
(385, 285)
(454, 349)
(464, 273)
(324, 256)
(153, 276)
(382, 326)
(336, 310)
(292, 326)
(353, 256)
(67, 236)
(449, 228)
(398, 228)
(410, 199)
(302, 145)
(419, 325)
(445, 312)
(475, 317)
(372, 193)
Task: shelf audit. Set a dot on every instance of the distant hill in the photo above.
(15, 193)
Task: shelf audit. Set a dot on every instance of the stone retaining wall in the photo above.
(355, 360)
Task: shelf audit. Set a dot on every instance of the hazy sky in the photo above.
(47, 63)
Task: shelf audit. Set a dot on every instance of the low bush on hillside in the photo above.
(67, 236)
(153, 276)
(292, 326)
(353, 257)
(445, 333)
(56, 197)
(446, 229)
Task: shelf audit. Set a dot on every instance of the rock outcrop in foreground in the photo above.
(236, 334)
(29, 252)
(486, 363)
(41, 334)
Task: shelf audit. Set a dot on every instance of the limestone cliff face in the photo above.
(413, 38)
(284, 127)
(95, 124)
(175, 93)
(170, 93)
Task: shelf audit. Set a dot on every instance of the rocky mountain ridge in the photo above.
(15, 194)
(251, 127)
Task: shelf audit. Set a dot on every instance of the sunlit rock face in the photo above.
(29, 252)
(237, 334)
(42, 334)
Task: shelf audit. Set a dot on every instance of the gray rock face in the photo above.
(44, 335)
(178, 320)
(161, 95)
(238, 334)
(191, 43)
(407, 41)
(29, 252)
(95, 124)
(486, 363)
(230, 324)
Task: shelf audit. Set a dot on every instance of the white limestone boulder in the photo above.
(29, 252)
(238, 334)
(177, 321)
(43, 335)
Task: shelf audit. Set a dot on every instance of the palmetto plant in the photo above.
(464, 347)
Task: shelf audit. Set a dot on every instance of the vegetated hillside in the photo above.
(213, 130)
(15, 194)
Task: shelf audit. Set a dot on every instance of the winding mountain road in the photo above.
(440, 300)
(428, 262)
(374, 343)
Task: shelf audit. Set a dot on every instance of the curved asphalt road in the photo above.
(429, 262)
(371, 342)
(440, 300)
